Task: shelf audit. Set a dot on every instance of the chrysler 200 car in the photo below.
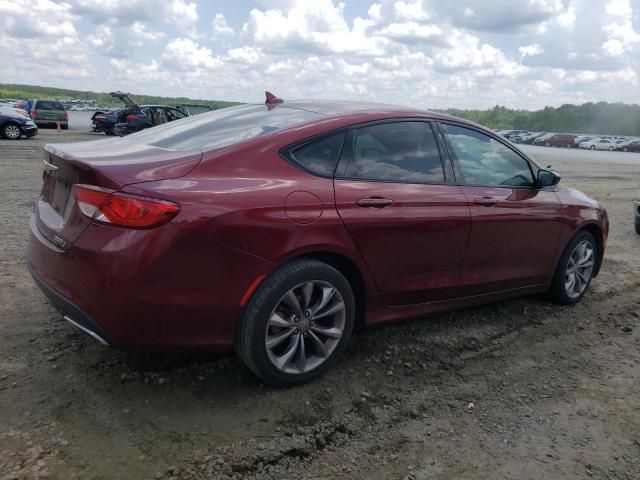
(275, 229)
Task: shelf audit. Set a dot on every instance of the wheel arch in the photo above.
(597, 232)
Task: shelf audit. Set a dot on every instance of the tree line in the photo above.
(595, 118)
(102, 99)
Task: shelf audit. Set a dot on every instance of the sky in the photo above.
(423, 53)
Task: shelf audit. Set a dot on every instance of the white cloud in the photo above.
(430, 53)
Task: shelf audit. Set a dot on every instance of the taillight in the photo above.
(131, 117)
(66, 116)
(34, 114)
(123, 209)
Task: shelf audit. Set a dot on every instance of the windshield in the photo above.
(222, 127)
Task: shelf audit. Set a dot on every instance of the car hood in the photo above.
(571, 196)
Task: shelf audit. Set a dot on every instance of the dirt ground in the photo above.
(522, 389)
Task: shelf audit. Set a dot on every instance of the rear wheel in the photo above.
(575, 269)
(109, 132)
(10, 131)
(297, 323)
(592, 147)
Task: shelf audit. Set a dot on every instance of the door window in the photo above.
(174, 114)
(396, 152)
(486, 161)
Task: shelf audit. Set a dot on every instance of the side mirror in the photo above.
(548, 178)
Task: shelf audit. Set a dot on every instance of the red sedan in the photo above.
(276, 229)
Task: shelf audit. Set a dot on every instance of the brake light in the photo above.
(123, 209)
(34, 114)
(66, 116)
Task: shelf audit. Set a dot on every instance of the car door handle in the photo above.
(485, 201)
(374, 202)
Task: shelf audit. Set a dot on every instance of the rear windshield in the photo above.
(222, 128)
(49, 105)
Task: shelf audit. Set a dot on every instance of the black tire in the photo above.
(611, 149)
(65, 127)
(558, 291)
(252, 329)
(109, 132)
(9, 130)
(637, 227)
(592, 147)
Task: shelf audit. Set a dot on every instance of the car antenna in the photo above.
(272, 99)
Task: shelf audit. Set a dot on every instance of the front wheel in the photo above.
(10, 131)
(575, 269)
(297, 323)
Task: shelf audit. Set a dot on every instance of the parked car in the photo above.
(529, 139)
(539, 141)
(582, 138)
(629, 146)
(636, 211)
(560, 140)
(599, 144)
(49, 113)
(512, 133)
(133, 117)
(15, 124)
(275, 229)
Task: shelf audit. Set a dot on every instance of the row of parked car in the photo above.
(567, 140)
(21, 118)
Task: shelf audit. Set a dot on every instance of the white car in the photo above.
(599, 144)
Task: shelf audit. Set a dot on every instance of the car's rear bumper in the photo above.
(164, 288)
(71, 312)
(50, 123)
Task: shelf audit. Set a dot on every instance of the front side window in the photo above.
(396, 152)
(174, 114)
(485, 161)
(319, 156)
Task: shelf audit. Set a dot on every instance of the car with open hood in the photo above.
(134, 117)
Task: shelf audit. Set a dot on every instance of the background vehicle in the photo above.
(274, 229)
(133, 117)
(636, 211)
(15, 124)
(48, 113)
(599, 144)
(539, 141)
(560, 140)
(629, 146)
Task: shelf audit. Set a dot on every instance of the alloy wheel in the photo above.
(12, 132)
(305, 327)
(579, 269)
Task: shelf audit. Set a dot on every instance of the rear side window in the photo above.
(222, 128)
(48, 105)
(318, 156)
(396, 152)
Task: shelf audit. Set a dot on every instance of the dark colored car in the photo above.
(276, 229)
(133, 117)
(14, 125)
(560, 140)
(49, 113)
(629, 146)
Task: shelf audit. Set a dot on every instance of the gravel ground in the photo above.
(522, 389)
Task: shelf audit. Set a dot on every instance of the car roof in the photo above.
(343, 107)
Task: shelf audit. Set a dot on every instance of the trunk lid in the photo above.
(109, 164)
(124, 98)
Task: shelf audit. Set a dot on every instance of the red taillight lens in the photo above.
(66, 116)
(123, 209)
(34, 114)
